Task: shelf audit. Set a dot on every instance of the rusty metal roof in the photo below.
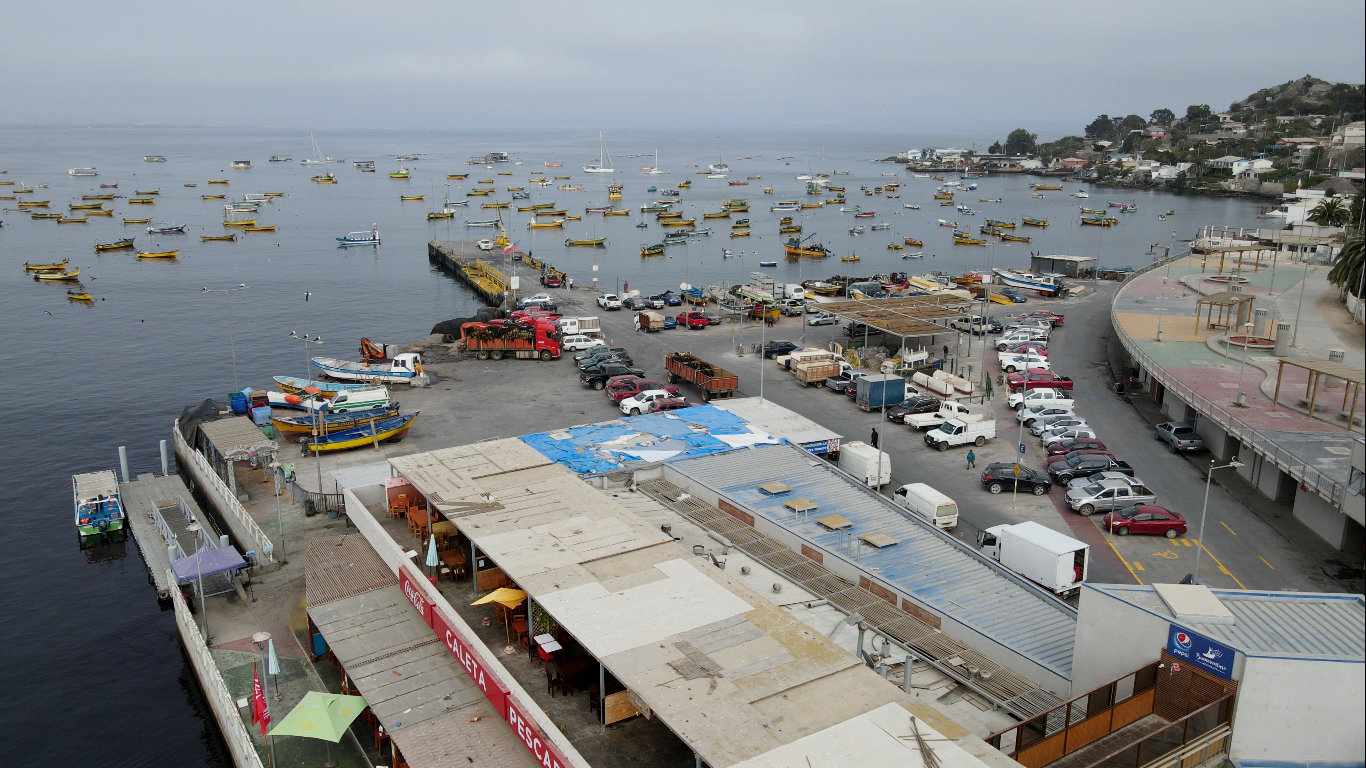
(343, 566)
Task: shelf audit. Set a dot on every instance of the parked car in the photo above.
(1000, 476)
(1082, 482)
(602, 357)
(1011, 363)
(1063, 447)
(578, 342)
(1056, 459)
(916, 404)
(792, 307)
(1028, 416)
(485, 245)
(1067, 471)
(838, 382)
(609, 301)
(1015, 294)
(1026, 347)
(1056, 423)
(1047, 314)
(643, 402)
(1034, 336)
(1068, 434)
(596, 376)
(670, 322)
(1179, 436)
(691, 319)
(712, 318)
(634, 303)
(671, 299)
(1037, 377)
(623, 387)
(593, 351)
(772, 349)
(656, 301)
(539, 298)
(1107, 495)
(822, 318)
(1145, 518)
(669, 404)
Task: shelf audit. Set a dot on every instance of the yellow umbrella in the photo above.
(508, 598)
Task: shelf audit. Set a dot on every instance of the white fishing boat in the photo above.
(405, 368)
(1050, 283)
(604, 161)
(363, 237)
(654, 169)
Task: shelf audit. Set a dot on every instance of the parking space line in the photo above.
(1268, 565)
(1230, 530)
(1139, 566)
(1127, 566)
(1223, 569)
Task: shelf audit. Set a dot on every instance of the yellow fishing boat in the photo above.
(73, 220)
(493, 206)
(788, 229)
(739, 233)
(515, 189)
(485, 181)
(218, 181)
(809, 206)
(478, 193)
(969, 241)
(99, 213)
(147, 192)
(895, 246)
(37, 216)
(117, 245)
(721, 215)
(97, 197)
(79, 296)
(854, 257)
(274, 194)
(573, 218)
(667, 215)
(59, 266)
(158, 254)
(505, 173)
(684, 184)
(266, 228)
(557, 223)
(35, 203)
(1014, 238)
(325, 179)
(913, 242)
(598, 241)
(456, 176)
(652, 250)
(212, 197)
(141, 201)
(1047, 187)
(622, 212)
(441, 215)
(242, 223)
(678, 223)
(70, 276)
(218, 238)
(412, 197)
(1028, 222)
(525, 208)
(137, 221)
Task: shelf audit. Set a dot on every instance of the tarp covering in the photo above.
(694, 431)
(194, 415)
(207, 561)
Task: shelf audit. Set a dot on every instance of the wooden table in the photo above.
(453, 559)
(443, 530)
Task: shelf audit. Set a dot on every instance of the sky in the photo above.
(880, 65)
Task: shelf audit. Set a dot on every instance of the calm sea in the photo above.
(92, 668)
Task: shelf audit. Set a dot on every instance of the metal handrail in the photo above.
(1307, 476)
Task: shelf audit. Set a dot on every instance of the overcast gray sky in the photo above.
(940, 67)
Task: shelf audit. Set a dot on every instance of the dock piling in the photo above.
(123, 462)
(165, 464)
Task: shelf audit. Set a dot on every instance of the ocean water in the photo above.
(84, 637)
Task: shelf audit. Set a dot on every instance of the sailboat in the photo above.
(604, 161)
(317, 158)
(654, 169)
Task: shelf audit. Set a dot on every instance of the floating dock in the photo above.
(160, 511)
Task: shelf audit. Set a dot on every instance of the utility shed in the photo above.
(959, 592)
(1071, 266)
(1297, 660)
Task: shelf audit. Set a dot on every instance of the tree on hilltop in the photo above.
(1163, 117)
(1021, 142)
(1198, 113)
(1101, 129)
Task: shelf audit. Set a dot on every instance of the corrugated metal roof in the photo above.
(341, 566)
(939, 570)
(1328, 626)
(237, 437)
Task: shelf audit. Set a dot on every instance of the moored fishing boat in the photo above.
(1009, 238)
(70, 276)
(117, 245)
(851, 257)
(218, 238)
(585, 243)
(98, 506)
(652, 250)
(555, 224)
(361, 237)
(740, 233)
(259, 228)
(1047, 187)
(72, 220)
(405, 367)
(158, 254)
(56, 266)
(384, 430)
(167, 229)
(440, 215)
(794, 248)
(332, 422)
(240, 223)
(137, 221)
(1032, 222)
(412, 197)
(968, 240)
(82, 296)
(914, 242)
(98, 197)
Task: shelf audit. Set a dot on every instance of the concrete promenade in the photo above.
(1192, 367)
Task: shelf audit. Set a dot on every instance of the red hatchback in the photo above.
(1145, 518)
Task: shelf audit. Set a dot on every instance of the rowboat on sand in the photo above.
(384, 430)
(332, 422)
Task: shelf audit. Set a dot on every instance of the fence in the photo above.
(221, 700)
(1307, 476)
(239, 521)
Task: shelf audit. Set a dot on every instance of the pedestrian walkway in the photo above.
(1157, 319)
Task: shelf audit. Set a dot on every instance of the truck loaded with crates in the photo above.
(713, 380)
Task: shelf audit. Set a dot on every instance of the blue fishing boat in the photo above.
(698, 232)
(332, 422)
(379, 431)
(694, 296)
(99, 508)
(363, 237)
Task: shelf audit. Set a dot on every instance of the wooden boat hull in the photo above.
(158, 254)
(345, 370)
(381, 431)
(218, 238)
(117, 245)
(572, 243)
(137, 221)
(84, 297)
(325, 389)
(332, 422)
(58, 277)
(57, 267)
(268, 228)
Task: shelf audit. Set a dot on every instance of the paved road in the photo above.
(1241, 549)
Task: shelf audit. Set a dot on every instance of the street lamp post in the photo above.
(1247, 334)
(199, 580)
(1200, 536)
(232, 344)
(1162, 307)
(315, 415)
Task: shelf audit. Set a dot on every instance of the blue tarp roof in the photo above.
(685, 432)
(207, 561)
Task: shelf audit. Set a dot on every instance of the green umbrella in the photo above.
(320, 716)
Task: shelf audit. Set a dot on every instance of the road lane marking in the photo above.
(1268, 565)
(1230, 530)
(1138, 566)
(1223, 569)
(1127, 566)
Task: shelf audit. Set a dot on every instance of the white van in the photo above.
(929, 504)
(872, 467)
(359, 400)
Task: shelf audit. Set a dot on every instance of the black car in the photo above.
(635, 303)
(623, 357)
(775, 348)
(597, 375)
(1015, 294)
(598, 351)
(1000, 476)
(917, 404)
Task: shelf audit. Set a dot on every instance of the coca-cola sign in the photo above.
(409, 584)
(478, 671)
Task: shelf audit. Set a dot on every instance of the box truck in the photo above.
(1050, 559)
(872, 467)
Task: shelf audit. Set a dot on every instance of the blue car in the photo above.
(670, 322)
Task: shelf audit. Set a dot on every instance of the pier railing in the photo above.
(221, 700)
(1308, 477)
(238, 519)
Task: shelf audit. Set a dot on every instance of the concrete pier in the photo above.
(169, 496)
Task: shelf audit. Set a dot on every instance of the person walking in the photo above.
(873, 439)
(637, 325)
(972, 459)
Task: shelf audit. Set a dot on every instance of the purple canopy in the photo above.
(206, 562)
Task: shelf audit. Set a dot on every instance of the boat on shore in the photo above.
(404, 368)
(384, 430)
(1047, 284)
(98, 506)
(314, 386)
(329, 423)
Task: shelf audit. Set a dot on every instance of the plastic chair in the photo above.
(399, 506)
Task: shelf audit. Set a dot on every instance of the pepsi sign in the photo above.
(1200, 651)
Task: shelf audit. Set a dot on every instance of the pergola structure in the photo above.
(1225, 250)
(906, 316)
(1233, 309)
(1318, 368)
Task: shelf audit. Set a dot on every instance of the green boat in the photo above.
(99, 509)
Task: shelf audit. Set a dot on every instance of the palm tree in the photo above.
(1347, 268)
(1332, 212)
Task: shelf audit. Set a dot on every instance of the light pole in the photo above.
(232, 344)
(279, 514)
(1162, 307)
(1200, 536)
(315, 415)
(1247, 335)
(199, 580)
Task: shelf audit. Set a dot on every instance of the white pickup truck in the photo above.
(1011, 363)
(1042, 396)
(947, 410)
(960, 432)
